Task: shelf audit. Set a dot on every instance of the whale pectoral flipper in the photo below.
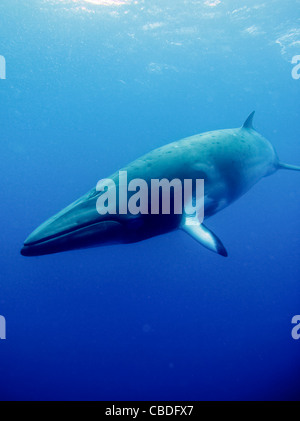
(204, 236)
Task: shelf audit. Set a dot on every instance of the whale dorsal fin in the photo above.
(204, 236)
(249, 121)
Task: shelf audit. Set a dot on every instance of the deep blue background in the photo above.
(90, 88)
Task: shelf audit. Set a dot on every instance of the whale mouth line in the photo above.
(83, 236)
(60, 234)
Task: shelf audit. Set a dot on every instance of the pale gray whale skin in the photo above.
(230, 161)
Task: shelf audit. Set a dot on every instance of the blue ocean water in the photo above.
(90, 86)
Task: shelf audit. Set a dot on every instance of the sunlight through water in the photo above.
(107, 2)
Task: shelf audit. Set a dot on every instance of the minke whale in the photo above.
(230, 162)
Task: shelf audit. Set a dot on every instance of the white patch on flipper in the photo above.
(203, 235)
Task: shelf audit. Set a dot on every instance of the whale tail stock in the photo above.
(283, 166)
(248, 124)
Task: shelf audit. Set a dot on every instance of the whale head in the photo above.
(77, 226)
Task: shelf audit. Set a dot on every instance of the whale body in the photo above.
(230, 162)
